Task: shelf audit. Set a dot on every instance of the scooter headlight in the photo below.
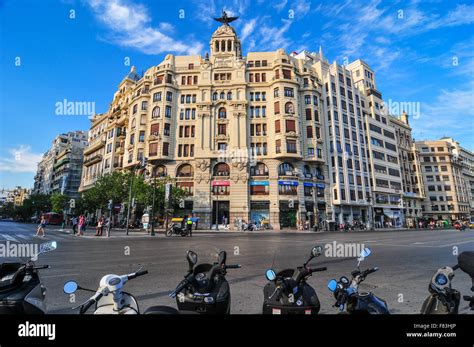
(441, 280)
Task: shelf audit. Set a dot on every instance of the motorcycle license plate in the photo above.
(307, 312)
(276, 311)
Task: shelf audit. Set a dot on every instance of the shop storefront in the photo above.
(288, 214)
(220, 205)
(260, 213)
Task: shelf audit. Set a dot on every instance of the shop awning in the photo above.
(259, 183)
(221, 183)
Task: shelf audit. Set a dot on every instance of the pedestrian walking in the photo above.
(74, 225)
(81, 225)
(100, 227)
(41, 227)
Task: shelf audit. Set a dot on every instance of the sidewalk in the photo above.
(118, 232)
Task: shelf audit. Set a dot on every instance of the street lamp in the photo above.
(371, 214)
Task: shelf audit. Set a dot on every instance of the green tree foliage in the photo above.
(59, 202)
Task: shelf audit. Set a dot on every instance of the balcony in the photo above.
(92, 160)
(94, 146)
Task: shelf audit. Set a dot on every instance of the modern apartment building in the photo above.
(382, 150)
(60, 169)
(445, 187)
(467, 158)
(412, 179)
(344, 138)
(243, 135)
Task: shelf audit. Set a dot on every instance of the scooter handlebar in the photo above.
(90, 302)
(179, 288)
(318, 269)
(237, 266)
(137, 274)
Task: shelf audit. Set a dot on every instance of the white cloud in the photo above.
(130, 26)
(20, 159)
(248, 28)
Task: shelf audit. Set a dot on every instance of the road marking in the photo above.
(8, 237)
(24, 237)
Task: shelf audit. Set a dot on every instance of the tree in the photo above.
(59, 202)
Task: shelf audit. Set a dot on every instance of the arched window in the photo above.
(229, 96)
(134, 123)
(217, 46)
(221, 169)
(307, 171)
(229, 45)
(160, 171)
(222, 113)
(260, 169)
(319, 172)
(185, 170)
(289, 108)
(286, 169)
(214, 96)
(223, 45)
(156, 112)
(222, 96)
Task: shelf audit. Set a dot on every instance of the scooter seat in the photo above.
(161, 310)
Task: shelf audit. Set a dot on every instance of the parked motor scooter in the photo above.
(21, 289)
(348, 297)
(109, 298)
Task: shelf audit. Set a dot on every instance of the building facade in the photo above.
(60, 169)
(242, 134)
(445, 186)
(410, 168)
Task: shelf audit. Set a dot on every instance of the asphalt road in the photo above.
(407, 260)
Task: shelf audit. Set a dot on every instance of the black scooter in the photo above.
(204, 288)
(347, 295)
(287, 292)
(444, 299)
(21, 290)
(176, 229)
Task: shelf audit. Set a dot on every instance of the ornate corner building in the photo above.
(270, 137)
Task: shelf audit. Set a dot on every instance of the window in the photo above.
(291, 146)
(221, 129)
(290, 125)
(169, 96)
(278, 146)
(222, 113)
(376, 142)
(286, 74)
(221, 169)
(166, 147)
(309, 132)
(141, 136)
(157, 97)
(156, 112)
(153, 149)
(166, 130)
(168, 111)
(155, 129)
(277, 126)
(276, 107)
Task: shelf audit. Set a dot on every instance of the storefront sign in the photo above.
(288, 183)
(220, 183)
(259, 183)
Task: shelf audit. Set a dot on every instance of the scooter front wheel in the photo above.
(169, 232)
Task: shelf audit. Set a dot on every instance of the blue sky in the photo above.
(78, 50)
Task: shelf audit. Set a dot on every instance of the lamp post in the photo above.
(152, 216)
(371, 214)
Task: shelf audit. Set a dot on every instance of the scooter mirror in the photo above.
(316, 251)
(270, 275)
(48, 246)
(222, 257)
(365, 253)
(332, 285)
(70, 287)
(192, 258)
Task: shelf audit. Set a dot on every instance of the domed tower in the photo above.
(224, 41)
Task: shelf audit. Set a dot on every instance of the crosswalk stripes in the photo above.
(20, 238)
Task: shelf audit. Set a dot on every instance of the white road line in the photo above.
(25, 237)
(8, 237)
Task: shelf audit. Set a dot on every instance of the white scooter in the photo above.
(110, 299)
